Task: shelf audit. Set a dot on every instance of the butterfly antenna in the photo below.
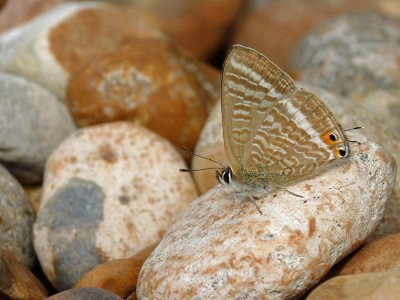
(358, 127)
(192, 153)
(203, 169)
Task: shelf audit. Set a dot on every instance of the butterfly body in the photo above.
(274, 133)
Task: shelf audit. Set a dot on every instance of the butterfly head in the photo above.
(225, 177)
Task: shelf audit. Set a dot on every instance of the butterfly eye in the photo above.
(333, 137)
(227, 176)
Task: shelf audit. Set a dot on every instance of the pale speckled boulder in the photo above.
(50, 47)
(216, 252)
(16, 220)
(210, 145)
(32, 123)
(109, 191)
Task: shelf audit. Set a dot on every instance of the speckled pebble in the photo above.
(86, 293)
(369, 286)
(214, 251)
(32, 123)
(16, 219)
(110, 191)
(16, 281)
(49, 48)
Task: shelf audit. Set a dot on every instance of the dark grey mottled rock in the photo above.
(16, 219)
(85, 293)
(32, 123)
(69, 223)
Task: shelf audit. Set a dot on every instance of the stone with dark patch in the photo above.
(71, 217)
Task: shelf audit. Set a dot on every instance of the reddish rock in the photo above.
(150, 81)
(16, 12)
(16, 281)
(199, 26)
(275, 27)
(118, 276)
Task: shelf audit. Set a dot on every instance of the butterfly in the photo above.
(274, 133)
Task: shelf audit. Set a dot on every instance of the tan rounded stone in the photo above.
(110, 191)
(118, 276)
(150, 81)
(216, 251)
(376, 256)
(369, 286)
(17, 282)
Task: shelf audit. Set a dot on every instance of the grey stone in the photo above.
(32, 123)
(16, 219)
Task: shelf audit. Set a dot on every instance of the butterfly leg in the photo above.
(254, 202)
(238, 203)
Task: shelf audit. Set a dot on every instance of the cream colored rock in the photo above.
(369, 286)
(49, 48)
(109, 191)
(211, 146)
(214, 251)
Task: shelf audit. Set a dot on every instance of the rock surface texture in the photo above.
(216, 251)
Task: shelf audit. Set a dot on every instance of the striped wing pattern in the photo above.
(250, 86)
(273, 132)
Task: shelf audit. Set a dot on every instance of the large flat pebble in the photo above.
(215, 251)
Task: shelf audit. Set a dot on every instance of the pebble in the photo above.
(109, 191)
(150, 81)
(215, 251)
(276, 27)
(371, 286)
(118, 276)
(351, 55)
(33, 122)
(85, 294)
(49, 48)
(375, 256)
(16, 219)
(17, 282)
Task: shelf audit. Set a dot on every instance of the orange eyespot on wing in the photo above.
(331, 138)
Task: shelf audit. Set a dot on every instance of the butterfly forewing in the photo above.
(251, 84)
(274, 132)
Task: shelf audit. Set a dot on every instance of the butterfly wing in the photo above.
(298, 135)
(251, 84)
